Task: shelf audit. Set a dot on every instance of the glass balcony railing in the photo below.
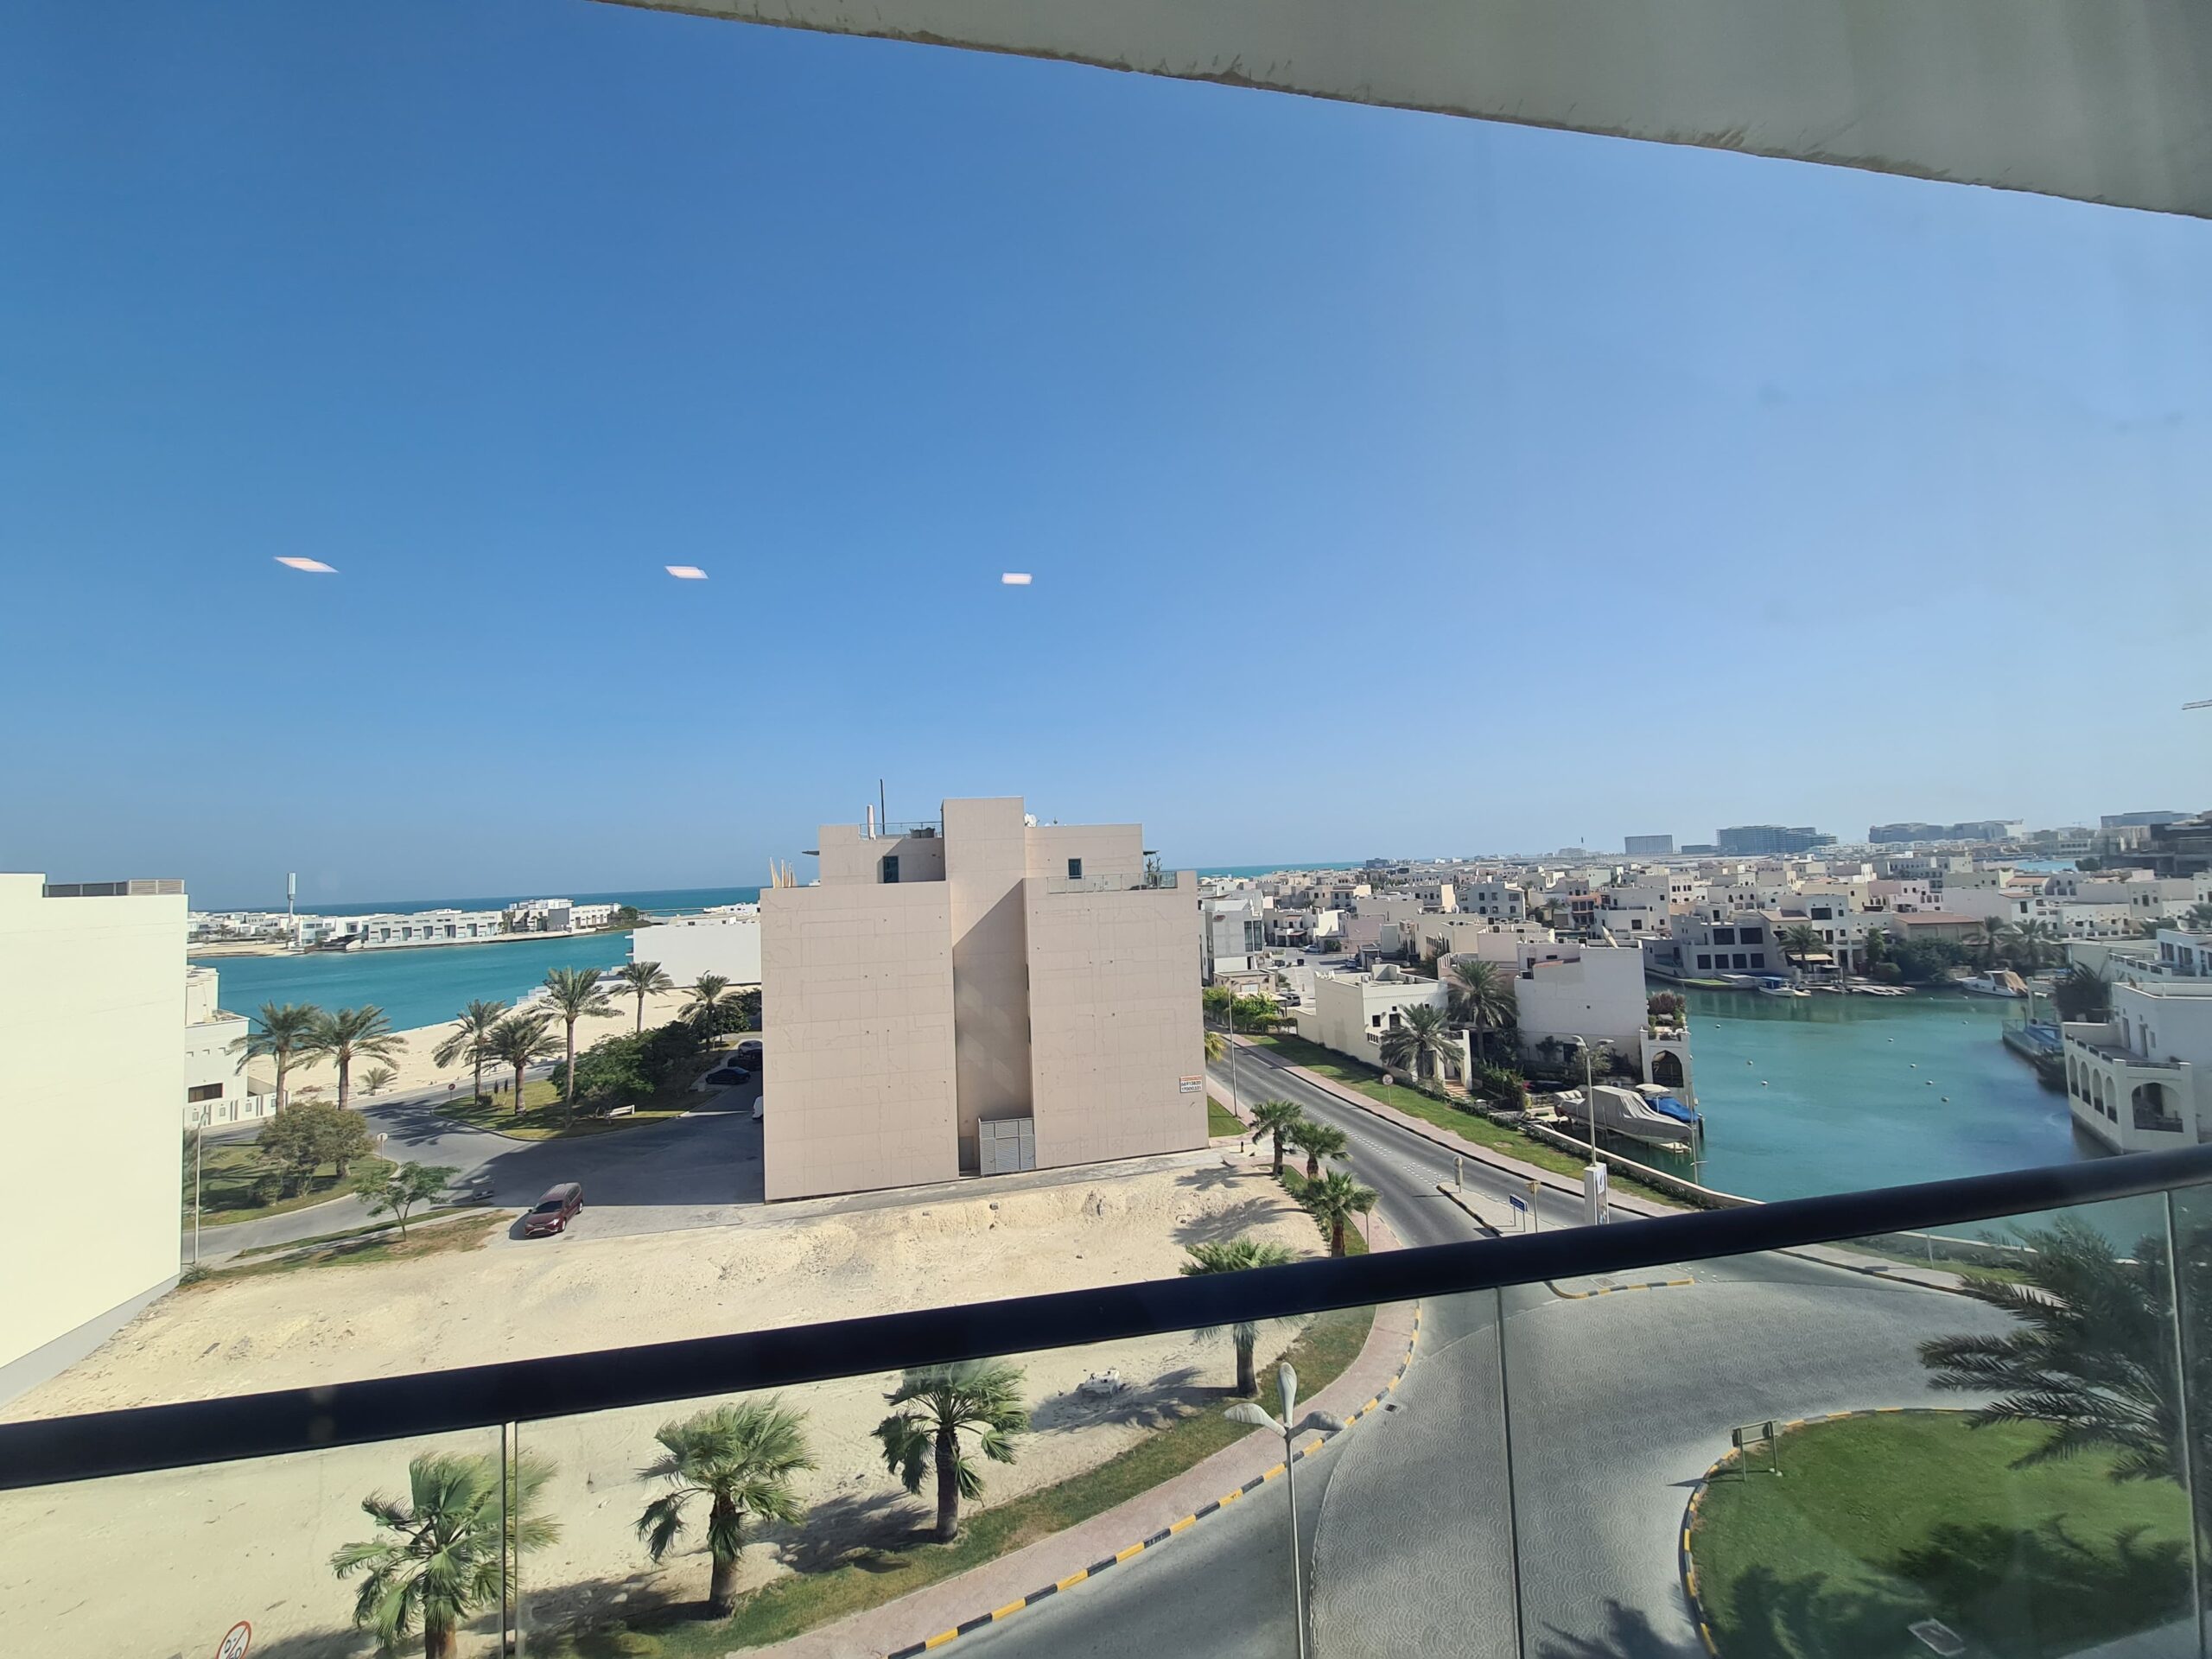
(1120, 882)
(1786, 1429)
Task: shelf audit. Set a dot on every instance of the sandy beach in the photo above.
(273, 1525)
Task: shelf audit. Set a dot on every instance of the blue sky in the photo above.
(1391, 484)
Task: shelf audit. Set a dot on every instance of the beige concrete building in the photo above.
(90, 1072)
(982, 994)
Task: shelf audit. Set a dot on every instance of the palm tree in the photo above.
(517, 1040)
(1800, 941)
(1278, 1118)
(2094, 1355)
(1236, 1255)
(1316, 1141)
(2037, 941)
(936, 1405)
(574, 993)
(1992, 939)
(2199, 918)
(1216, 1045)
(1334, 1201)
(450, 1540)
(1482, 997)
(642, 980)
(2082, 993)
(470, 1033)
(351, 1035)
(739, 1456)
(707, 993)
(379, 1079)
(281, 1031)
(1875, 947)
(1424, 1036)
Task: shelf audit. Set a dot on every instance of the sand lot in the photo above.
(163, 1564)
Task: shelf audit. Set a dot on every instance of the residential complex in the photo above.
(1760, 838)
(725, 942)
(1648, 845)
(981, 993)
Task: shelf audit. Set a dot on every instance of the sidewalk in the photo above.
(1004, 1586)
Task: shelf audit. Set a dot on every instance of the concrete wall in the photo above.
(1599, 996)
(729, 945)
(987, 860)
(91, 1014)
(857, 988)
(1115, 1017)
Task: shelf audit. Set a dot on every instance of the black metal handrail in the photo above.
(101, 1444)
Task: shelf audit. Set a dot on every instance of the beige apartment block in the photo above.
(982, 994)
(92, 1071)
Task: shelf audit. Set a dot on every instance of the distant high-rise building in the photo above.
(1757, 839)
(2129, 820)
(1970, 830)
(1649, 844)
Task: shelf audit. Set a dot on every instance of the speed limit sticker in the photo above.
(235, 1644)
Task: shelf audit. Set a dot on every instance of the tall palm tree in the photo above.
(739, 1456)
(1316, 1141)
(280, 1032)
(1988, 943)
(448, 1541)
(519, 1040)
(1424, 1039)
(351, 1035)
(707, 993)
(1482, 997)
(2094, 1353)
(642, 980)
(1277, 1118)
(471, 1032)
(1236, 1255)
(2038, 942)
(575, 993)
(934, 1406)
(1333, 1201)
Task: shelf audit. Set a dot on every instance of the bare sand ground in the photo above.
(163, 1564)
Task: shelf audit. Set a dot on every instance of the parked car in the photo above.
(554, 1211)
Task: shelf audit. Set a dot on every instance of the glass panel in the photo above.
(1839, 1450)
(170, 1562)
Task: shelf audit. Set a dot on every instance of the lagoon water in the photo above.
(418, 986)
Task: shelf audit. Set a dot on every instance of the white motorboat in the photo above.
(1997, 981)
(1777, 985)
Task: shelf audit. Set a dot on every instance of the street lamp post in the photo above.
(1589, 1097)
(1245, 1412)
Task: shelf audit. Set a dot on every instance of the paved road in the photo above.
(694, 1172)
(1412, 1528)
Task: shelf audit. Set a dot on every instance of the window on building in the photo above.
(1723, 935)
(891, 867)
(1758, 958)
(1075, 869)
(1739, 959)
(1754, 936)
(1705, 962)
(204, 1091)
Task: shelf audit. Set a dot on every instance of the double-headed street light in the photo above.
(1245, 1412)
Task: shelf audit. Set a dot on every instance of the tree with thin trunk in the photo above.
(706, 994)
(1421, 1041)
(1482, 998)
(1277, 1119)
(442, 1549)
(350, 1034)
(472, 1032)
(575, 993)
(934, 1407)
(1800, 941)
(741, 1457)
(642, 980)
(396, 1191)
(1237, 1256)
(1316, 1141)
(519, 1040)
(280, 1032)
(1334, 1201)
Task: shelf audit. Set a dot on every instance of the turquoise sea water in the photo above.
(659, 901)
(418, 986)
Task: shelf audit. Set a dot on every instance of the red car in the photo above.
(554, 1211)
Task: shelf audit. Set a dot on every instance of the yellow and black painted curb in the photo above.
(999, 1615)
(1615, 1290)
(1687, 1567)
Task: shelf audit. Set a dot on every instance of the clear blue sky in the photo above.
(1391, 483)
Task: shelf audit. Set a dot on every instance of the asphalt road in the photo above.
(1453, 1524)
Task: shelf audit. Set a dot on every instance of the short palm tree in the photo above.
(472, 1032)
(574, 993)
(443, 1548)
(933, 1406)
(1216, 1045)
(2038, 942)
(280, 1032)
(1422, 1043)
(707, 993)
(2093, 1355)
(2082, 993)
(642, 980)
(2199, 918)
(1482, 997)
(1800, 941)
(1316, 1141)
(739, 1457)
(348, 1035)
(379, 1079)
(1279, 1119)
(1990, 943)
(1333, 1201)
(1236, 1255)
(519, 1040)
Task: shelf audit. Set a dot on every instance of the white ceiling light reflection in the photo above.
(315, 565)
(687, 573)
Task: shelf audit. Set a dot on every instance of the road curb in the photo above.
(1685, 1562)
(1461, 1204)
(999, 1615)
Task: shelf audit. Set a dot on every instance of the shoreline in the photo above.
(215, 951)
